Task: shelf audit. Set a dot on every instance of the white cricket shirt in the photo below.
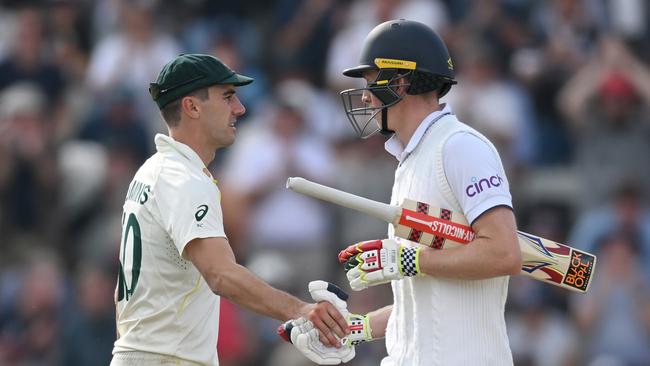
(441, 321)
(473, 169)
(164, 304)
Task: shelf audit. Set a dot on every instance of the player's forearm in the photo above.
(243, 288)
(379, 321)
(495, 251)
(215, 260)
(478, 260)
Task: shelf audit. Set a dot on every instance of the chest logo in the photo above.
(201, 212)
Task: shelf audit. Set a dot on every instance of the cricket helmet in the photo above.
(397, 49)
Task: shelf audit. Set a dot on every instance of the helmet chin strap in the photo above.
(384, 123)
(389, 100)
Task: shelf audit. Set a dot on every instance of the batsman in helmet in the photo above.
(449, 300)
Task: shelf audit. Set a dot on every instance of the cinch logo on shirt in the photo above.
(479, 186)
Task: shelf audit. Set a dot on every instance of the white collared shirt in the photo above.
(395, 147)
(448, 166)
(170, 309)
(474, 172)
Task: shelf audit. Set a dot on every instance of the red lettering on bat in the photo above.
(462, 234)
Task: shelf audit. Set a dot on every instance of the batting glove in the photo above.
(374, 262)
(359, 324)
(302, 334)
(359, 330)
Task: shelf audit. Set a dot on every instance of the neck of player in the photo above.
(409, 114)
(196, 140)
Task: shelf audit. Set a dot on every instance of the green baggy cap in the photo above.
(189, 72)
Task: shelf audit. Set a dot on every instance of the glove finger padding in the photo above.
(351, 263)
(308, 342)
(302, 334)
(377, 262)
(325, 291)
(360, 280)
(357, 248)
(348, 253)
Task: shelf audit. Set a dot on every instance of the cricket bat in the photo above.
(542, 259)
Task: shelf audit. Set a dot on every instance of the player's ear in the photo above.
(402, 85)
(190, 107)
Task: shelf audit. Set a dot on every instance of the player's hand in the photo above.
(305, 336)
(328, 314)
(358, 325)
(374, 262)
(302, 334)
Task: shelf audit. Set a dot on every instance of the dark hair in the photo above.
(171, 113)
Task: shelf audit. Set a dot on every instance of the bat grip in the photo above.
(375, 209)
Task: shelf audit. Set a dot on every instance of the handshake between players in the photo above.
(305, 337)
(367, 263)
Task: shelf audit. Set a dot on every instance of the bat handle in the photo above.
(375, 209)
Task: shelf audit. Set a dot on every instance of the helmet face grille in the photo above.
(361, 115)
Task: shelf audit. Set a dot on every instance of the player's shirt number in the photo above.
(134, 248)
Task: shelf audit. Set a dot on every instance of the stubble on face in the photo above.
(221, 118)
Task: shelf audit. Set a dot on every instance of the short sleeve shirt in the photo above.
(473, 169)
(164, 304)
(475, 175)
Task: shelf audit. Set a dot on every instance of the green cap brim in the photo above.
(237, 80)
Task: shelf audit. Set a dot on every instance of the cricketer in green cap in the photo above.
(189, 72)
(173, 216)
(196, 94)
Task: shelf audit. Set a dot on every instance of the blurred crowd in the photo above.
(561, 86)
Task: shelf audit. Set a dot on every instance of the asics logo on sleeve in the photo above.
(201, 212)
(479, 186)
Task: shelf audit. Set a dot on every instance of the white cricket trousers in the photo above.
(137, 358)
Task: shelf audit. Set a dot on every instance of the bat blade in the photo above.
(542, 259)
(556, 263)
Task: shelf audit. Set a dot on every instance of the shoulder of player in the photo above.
(463, 142)
(177, 172)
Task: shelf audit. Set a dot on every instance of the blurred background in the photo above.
(562, 87)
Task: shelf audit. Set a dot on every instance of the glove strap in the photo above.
(409, 261)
